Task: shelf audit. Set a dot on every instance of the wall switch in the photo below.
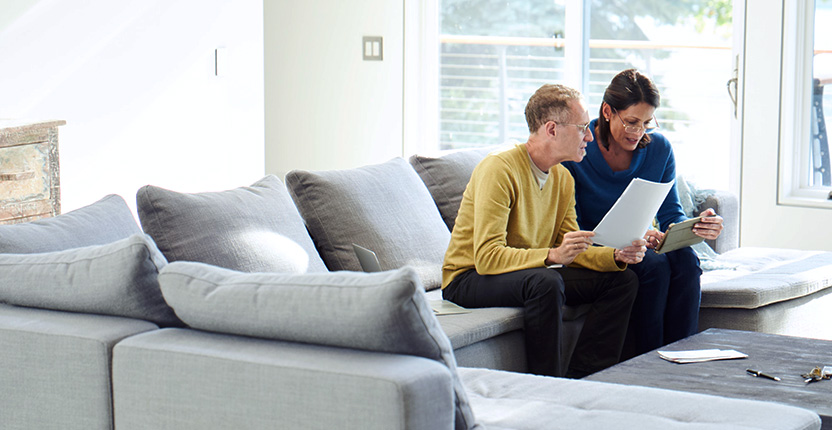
(373, 48)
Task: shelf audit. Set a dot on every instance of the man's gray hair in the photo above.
(550, 103)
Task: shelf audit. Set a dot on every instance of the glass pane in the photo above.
(685, 48)
(494, 55)
(820, 174)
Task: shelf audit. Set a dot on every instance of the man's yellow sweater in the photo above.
(506, 222)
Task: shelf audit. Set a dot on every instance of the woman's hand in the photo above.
(632, 254)
(574, 243)
(653, 238)
(711, 225)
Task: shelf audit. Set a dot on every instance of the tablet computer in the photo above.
(679, 235)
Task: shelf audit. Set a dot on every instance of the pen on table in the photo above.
(762, 375)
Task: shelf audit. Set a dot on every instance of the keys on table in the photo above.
(818, 374)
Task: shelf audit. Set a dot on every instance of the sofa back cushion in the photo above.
(384, 312)
(104, 221)
(383, 207)
(446, 177)
(119, 279)
(251, 229)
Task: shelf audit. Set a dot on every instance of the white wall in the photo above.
(134, 79)
(326, 108)
(764, 222)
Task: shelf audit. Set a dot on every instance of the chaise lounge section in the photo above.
(766, 290)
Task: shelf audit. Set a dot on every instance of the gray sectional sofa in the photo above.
(246, 309)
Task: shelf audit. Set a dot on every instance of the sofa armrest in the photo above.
(726, 205)
(189, 379)
(55, 367)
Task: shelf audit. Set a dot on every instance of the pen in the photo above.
(762, 375)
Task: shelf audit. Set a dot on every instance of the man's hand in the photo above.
(574, 243)
(632, 254)
(711, 225)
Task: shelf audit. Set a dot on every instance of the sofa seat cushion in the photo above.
(382, 312)
(505, 400)
(55, 367)
(213, 381)
(383, 207)
(119, 279)
(493, 337)
(104, 221)
(478, 325)
(251, 229)
(763, 276)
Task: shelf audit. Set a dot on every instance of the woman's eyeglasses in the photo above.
(638, 128)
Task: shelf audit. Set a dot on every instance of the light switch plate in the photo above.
(220, 61)
(373, 48)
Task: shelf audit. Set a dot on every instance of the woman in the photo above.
(626, 146)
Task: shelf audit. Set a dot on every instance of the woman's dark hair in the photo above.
(627, 88)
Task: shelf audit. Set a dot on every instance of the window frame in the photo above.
(794, 145)
(420, 113)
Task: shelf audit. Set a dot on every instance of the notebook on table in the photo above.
(369, 263)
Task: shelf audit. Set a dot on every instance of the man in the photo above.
(517, 217)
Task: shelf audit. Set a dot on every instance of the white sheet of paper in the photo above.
(631, 215)
(701, 355)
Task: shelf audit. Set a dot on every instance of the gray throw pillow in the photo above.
(251, 229)
(447, 176)
(104, 221)
(384, 207)
(384, 312)
(119, 278)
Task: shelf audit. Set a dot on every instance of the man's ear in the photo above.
(551, 128)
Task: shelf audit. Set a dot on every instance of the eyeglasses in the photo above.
(584, 128)
(633, 128)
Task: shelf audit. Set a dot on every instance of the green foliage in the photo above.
(718, 11)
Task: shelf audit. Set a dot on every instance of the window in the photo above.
(495, 54)
(806, 106)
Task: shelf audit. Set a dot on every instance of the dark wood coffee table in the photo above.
(783, 356)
